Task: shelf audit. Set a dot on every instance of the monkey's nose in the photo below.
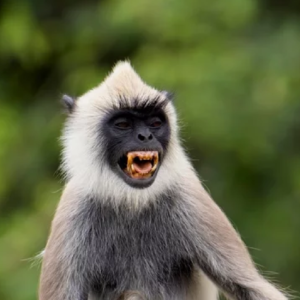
(145, 137)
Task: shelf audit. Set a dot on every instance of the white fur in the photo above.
(206, 289)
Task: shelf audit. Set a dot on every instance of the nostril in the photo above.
(141, 137)
(150, 137)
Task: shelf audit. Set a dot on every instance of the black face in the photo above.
(136, 143)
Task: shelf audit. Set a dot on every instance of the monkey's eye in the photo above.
(155, 122)
(123, 123)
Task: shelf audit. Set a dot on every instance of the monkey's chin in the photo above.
(139, 168)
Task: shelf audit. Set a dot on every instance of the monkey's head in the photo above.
(121, 139)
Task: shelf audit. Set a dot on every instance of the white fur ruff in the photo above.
(82, 161)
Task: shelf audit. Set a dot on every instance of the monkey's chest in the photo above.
(137, 250)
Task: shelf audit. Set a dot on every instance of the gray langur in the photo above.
(134, 221)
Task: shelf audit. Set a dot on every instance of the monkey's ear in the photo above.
(68, 103)
(168, 95)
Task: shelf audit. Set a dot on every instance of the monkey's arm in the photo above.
(63, 276)
(223, 256)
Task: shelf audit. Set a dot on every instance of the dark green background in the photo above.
(234, 67)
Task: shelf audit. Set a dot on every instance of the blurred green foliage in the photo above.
(234, 67)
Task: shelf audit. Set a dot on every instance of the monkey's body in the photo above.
(146, 250)
(134, 216)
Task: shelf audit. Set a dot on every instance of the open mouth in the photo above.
(139, 164)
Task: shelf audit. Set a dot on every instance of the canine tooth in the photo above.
(154, 168)
(132, 168)
(129, 161)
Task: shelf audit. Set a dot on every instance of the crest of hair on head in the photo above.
(83, 153)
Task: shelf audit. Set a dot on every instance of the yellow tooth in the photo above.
(155, 162)
(129, 161)
(153, 168)
(132, 168)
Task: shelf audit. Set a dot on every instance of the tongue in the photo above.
(142, 167)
